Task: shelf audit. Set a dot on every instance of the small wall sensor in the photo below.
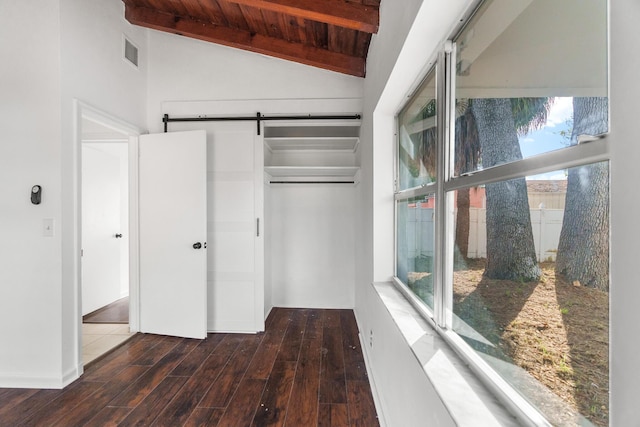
(36, 194)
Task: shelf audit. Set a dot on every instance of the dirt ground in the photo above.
(555, 330)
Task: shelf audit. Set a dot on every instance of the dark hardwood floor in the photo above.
(306, 369)
(116, 312)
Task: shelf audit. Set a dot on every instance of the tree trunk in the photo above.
(583, 250)
(510, 248)
(462, 222)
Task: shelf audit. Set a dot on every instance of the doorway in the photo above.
(107, 293)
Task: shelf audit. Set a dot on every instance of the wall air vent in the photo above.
(130, 52)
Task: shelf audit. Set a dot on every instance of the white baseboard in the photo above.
(372, 382)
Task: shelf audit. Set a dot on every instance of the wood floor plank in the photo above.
(156, 354)
(262, 363)
(303, 405)
(110, 416)
(69, 398)
(362, 411)
(95, 402)
(114, 362)
(331, 319)
(333, 415)
(116, 312)
(313, 328)
(204, 417)
(11, 398)
(225, 385)
(275, 398)
(139, 389)
(194, 360)
(290, 348)
(150, 407)
(28, 406)
(333, 387)
(187, 399)
(267, 352)
(278, 319)
(353, 358)
(244, 403)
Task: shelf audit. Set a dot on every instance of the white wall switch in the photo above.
(47, 227)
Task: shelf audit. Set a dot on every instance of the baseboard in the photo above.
(39, 382)
(72, 374)
(372, 382)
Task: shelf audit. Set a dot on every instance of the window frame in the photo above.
(591, 150)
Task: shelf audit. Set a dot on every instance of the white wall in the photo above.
(30, 151)
(312, 245)
(383, 90)
(92, 71)
(183, 69)
(398, 56)
(53, 52)
(191, 77)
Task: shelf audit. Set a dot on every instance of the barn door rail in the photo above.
(259, 118)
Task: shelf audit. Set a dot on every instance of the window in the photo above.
(502, 222)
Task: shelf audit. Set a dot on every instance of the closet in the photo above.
(311, 177)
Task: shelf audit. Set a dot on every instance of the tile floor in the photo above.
(98, 338)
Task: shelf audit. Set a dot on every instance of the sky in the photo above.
(548, 138)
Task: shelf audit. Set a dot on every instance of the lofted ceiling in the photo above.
(329, 34)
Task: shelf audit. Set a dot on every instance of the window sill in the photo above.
(467, 400)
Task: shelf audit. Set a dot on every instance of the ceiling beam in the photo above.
(340, 13)
(270, 46)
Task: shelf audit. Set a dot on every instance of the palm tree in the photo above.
(510, 247)
(583, 250)
(487, 133)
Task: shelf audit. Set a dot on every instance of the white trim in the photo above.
(134, 234)
(577, 155)
(372, 383)
(81, 111)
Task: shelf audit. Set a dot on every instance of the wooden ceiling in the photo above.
(329, 34)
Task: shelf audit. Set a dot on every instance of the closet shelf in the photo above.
(341, 144)
(282, 174)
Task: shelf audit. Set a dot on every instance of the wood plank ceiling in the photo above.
(329, 34)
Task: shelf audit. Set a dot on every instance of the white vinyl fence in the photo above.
(545, 224)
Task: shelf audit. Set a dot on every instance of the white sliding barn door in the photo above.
(173, 232)
(236, 244)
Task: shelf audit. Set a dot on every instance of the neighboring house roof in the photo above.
(547, 186)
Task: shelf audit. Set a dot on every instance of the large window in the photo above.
(502, 220)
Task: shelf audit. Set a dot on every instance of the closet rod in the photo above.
(258, 118)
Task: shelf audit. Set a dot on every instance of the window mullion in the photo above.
(444, 201)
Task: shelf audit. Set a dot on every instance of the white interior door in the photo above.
(236, 253)
(173, 232)
(101, 227)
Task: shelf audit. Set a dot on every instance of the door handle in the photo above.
(119, 236)
(197, 245)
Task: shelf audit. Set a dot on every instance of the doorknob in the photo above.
(118, 236)
(197, 245)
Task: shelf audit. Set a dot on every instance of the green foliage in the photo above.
(530, 113)
(565, 134)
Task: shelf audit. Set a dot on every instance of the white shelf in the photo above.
(281, 174)
(311, 154)
(343, 144)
